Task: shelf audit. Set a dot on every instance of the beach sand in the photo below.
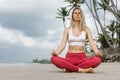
(32, 71)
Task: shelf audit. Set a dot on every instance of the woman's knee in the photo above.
(57, 61)
(98, 60)
(53, 59)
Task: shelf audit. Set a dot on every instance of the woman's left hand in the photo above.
(99, 54)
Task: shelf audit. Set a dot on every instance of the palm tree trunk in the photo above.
(64, 22)
(94, 18)
(90, 9)
(104, 32)
(104, 18)
(97, 18)
(116, 4)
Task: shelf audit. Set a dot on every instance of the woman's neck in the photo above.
(76, 23)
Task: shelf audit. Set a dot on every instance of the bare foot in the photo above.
(65, 70)
(88, 70)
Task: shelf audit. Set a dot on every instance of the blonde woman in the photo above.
(75, 35)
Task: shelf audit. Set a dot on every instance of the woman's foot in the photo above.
(88, 70)
(65, 70)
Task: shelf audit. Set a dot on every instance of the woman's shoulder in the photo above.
(67, 29)
(87, 29)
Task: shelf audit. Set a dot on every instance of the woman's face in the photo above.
(76, 15)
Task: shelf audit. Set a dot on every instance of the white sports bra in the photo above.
(76, 40)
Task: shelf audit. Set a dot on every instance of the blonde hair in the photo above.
(82, 23)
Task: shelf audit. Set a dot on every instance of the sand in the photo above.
(23, 71)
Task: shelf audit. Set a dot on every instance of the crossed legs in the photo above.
(85, 66)
(62, 63)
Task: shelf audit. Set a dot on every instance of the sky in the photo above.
(29, 29)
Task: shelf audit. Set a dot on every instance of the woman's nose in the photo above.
(77, 14)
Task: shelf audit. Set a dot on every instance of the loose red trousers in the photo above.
(74, 61)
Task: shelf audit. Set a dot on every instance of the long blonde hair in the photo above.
(82, 23)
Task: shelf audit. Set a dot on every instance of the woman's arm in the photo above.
(92, 44)
(62, 44)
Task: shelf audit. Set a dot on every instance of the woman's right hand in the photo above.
(54, 53)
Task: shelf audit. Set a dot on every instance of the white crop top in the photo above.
(76, 40)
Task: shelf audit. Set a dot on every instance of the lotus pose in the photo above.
(76, 35)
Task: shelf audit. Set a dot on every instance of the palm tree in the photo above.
(95, 14)
(114, 29)
(90, 8)
(94, 18)
(103, 7)
(111, 28)
(74, 3)
(62, 13)
(112, 9)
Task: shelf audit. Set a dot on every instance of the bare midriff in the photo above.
(76, 49)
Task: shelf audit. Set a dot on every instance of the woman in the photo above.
(75, 35)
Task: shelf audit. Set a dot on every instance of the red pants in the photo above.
(74, 61)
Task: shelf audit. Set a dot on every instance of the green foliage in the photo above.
(114, 29)
(75, 3)
(62, 13)
(118, 13)
(103, 41)
(111, 29)
(43, 61)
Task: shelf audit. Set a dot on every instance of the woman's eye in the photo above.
(76, 13)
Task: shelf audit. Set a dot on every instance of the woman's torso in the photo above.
(76, 43)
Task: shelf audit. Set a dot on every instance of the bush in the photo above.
(43, 61)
